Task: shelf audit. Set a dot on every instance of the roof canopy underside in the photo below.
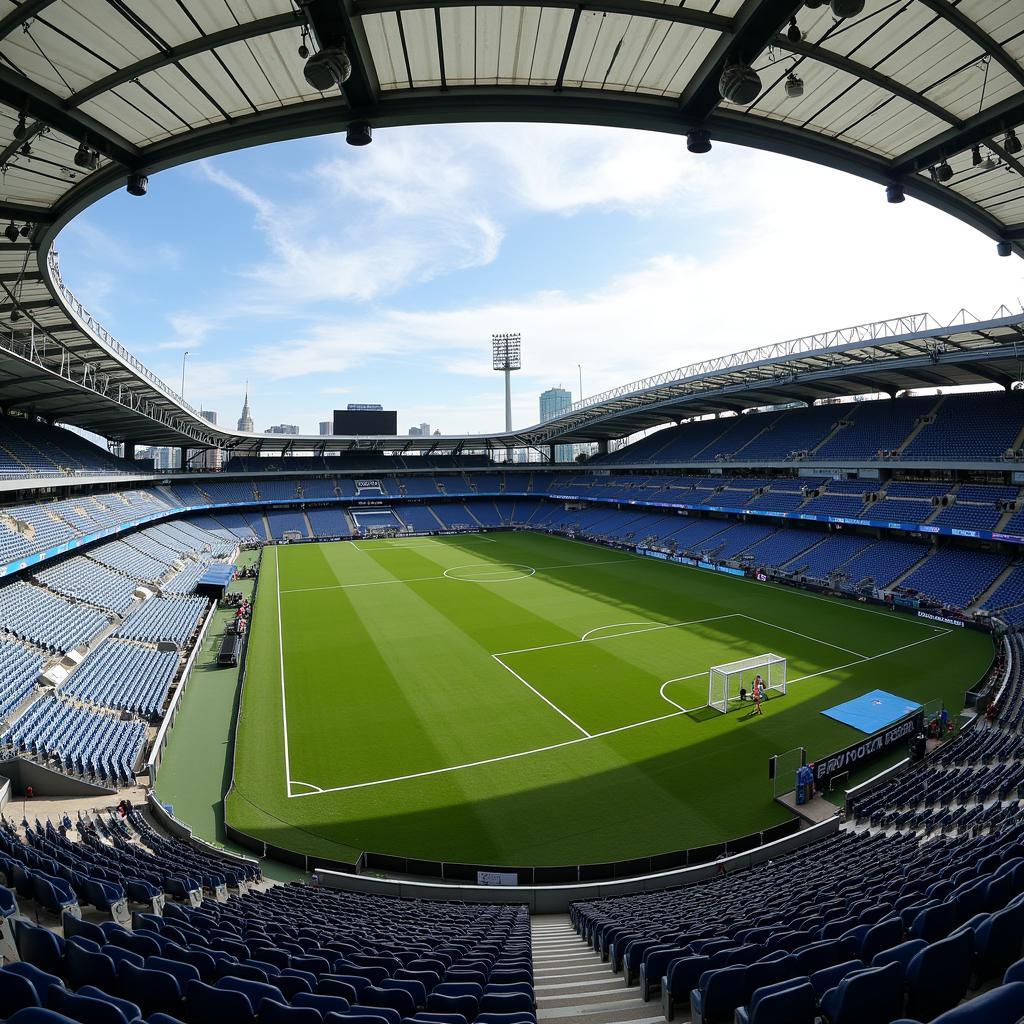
(890, 95)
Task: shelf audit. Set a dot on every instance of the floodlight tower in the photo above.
(507, 356)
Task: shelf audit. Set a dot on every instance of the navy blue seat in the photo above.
(84, 967)
(87, 1009)
(787, 1002)
(87, 929)
(378, 1013)
(184, 972)
(254, 991)
(901, 954)
(128, 1008)
(356, 1018)
(39, 946)
(934, 922)
(324, 1004)
(506, 1002)
(818, 955)
(40, 980)
(208, 1005)
(155, 991)
(883, 935)
(829, 977)
(718, 994)
(336, 985)
(272, 1012)
(16, 991)
(465, 1004)
(680, 977)
(997, 942)
(396, 998)
(937, 977)
(873, 995)
(1003, 1005)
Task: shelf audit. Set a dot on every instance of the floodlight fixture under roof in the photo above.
(847, 8)
(1004, 248)
(894, 192)
(698, 140)
(359, 133)
(137, 184)
(1012, 143)
(329, 68)
(11, 231)
(794, 86)
(943, 172)
(739, 84)
(21, 128)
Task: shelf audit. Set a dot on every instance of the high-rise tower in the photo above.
(245, 420)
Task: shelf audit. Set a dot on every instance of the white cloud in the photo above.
(764, 249)
(801, 251)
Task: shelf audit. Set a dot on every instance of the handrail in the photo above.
(89, 323)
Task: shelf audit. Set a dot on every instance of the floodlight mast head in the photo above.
(507, 356)
(506, 351)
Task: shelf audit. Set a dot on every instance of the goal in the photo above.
(725, 681)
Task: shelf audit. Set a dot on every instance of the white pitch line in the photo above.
(584, 739)
(533, 689)
(813, 639)
(678, 679)
(873, 657)
(284, 701)
(628, 632)
(425, 579)
(616, 625)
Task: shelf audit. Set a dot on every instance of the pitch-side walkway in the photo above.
(574, 986)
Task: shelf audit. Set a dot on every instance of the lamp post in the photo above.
(184, 356)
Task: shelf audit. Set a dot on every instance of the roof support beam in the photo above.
(22, 93)
(970, 28)
(570, 38)
(29, 214)
(22, 13)
(202, 44)
(998, 118)
(629, 8)
(334, 24)
(755, 25)
(840, 63)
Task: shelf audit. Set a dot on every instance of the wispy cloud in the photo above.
(382, 272)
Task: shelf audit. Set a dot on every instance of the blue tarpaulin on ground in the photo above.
(872, 711)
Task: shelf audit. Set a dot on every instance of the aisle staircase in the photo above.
(574, 985)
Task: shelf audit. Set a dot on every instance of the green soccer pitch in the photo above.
(516, 698)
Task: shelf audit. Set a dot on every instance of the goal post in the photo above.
(726, 681)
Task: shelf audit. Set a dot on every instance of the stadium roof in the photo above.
(889, 94)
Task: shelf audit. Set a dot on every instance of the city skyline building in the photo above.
(554, 402)
(245, 420)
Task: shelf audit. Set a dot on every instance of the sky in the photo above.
(325, 274)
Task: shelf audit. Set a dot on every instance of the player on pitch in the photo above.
(758, 693)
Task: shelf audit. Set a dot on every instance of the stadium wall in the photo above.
(555, 899)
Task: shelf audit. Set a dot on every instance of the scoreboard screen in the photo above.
(362, 421)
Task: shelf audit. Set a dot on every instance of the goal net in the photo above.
(726, 681)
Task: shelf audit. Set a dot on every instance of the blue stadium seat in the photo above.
(872, 995)
(937, 978)
(208, 1005)
(17, 991)
(788, 1002)
(88, 1010)
(272, 1012)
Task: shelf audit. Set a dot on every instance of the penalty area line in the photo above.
(549, 703)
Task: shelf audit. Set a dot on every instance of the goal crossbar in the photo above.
(725, 681)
